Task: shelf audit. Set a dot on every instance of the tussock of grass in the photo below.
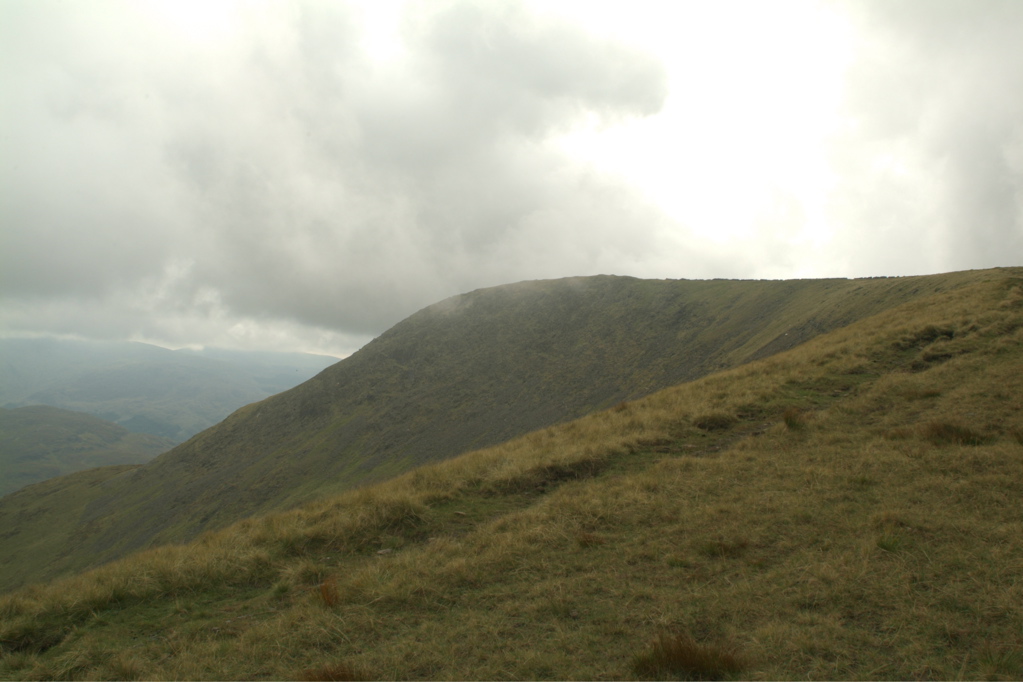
(589, 540)
(925, 335)
(794, 418)
(715, 421)
(328, 592)
(680, 655)
(920, 393)
(899, 433)
(335, 672)
(723, 547)
(945, 433)
(1000, 661)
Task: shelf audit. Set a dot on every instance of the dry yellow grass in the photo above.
(857, 544)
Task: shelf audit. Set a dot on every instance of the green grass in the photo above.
(629, 544)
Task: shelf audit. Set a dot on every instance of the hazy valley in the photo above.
(70, 405)
(145, 388)
(41, 442)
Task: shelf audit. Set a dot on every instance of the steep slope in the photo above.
(40, 442)
(845, 510)
(145, 388)
(468, 372)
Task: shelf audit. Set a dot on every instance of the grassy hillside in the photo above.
(40, 442)
(145, 388)
(469, 372)
(848, 509)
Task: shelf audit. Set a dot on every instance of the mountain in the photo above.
(41, 442)
(848, 509)
(145, 388)
(468, 372)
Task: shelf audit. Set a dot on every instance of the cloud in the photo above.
(930, 169)
(259, 175)
(286, 176)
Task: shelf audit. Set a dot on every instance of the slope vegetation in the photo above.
(471, 371)
(848, 509)
(41, 442)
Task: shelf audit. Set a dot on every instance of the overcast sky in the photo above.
(302, 176)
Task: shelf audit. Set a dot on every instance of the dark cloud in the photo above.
(291, 178)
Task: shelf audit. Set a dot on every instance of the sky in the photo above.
(274, 175)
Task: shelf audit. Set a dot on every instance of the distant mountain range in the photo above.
(41, 442)
(468, 372)
(145, 388)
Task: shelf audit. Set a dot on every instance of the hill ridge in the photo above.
(468, 372)
(846, 509)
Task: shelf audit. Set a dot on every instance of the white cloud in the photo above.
(306, 174)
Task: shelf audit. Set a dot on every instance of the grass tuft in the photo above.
(794, 418)
(720, 548)
(1017, 434)
(125, 667)
(332, 672)
(947, 433)
(898, 433)
(328, 592)
(681, 655)
(919, 393)
(716, 421)
(1000, 663)
(927, 334)
(889, 542)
